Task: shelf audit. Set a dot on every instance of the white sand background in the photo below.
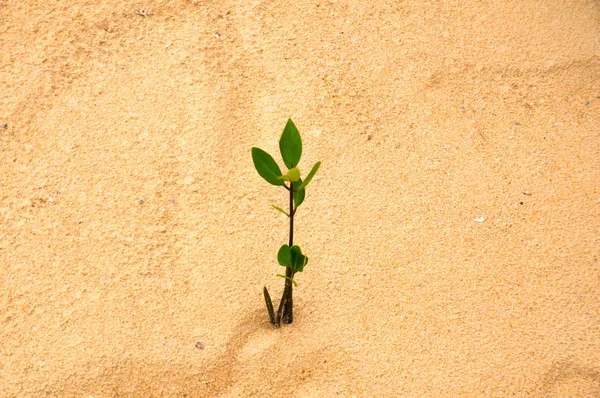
(133, 223)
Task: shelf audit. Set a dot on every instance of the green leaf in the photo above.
(299, 260)
(295, 250)
(290, 145)
(298, 195)
(284, 256)
(310, 175)
(300, 263)
(266, 166)
(280, 209)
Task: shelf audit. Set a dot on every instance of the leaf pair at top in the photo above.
(290, 146)
(292, 257)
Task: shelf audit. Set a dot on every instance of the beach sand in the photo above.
(453, 229)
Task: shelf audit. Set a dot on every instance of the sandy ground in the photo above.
(133, 223)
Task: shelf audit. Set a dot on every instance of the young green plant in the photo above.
(290, 256)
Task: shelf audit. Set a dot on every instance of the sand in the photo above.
(136, 236)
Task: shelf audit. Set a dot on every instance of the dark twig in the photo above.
(270, 307)
(286, 306)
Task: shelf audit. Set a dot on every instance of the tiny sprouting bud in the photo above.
(294, 174)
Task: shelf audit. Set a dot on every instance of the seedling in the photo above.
(290, 256)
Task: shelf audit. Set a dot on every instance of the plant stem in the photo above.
(286, 306)
(270, 307)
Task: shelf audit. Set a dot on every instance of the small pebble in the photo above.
(5, 126)
(217, 35)
(199, 345)
(144, 12)
(141, 202)
(479, 219)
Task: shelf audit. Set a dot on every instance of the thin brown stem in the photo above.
(285, 312)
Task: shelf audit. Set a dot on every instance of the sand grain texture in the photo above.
(133, 224)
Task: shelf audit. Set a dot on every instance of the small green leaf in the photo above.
(287, 277)
(298, 195)
(299, 260)
(290, 145)
(284, 256)
(266, 166)
(295, 250)
(280, 209)
(310, 175)
(300, 263)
